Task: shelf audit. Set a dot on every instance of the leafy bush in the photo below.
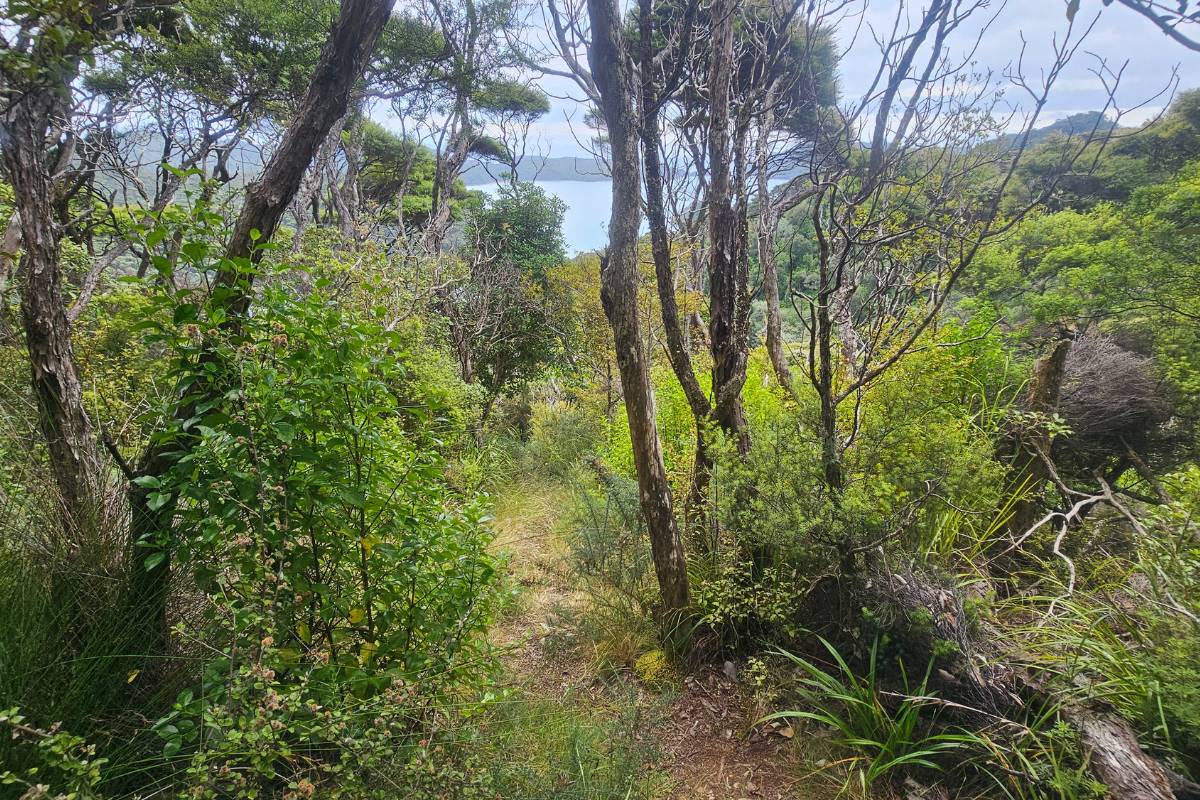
(562, 439)
(346, 585)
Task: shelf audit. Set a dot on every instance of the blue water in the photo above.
(585, 224)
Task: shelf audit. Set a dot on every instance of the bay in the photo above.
(589, 203)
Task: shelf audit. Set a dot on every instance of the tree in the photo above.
(395, 175)
(478, 88)
(899, 217)
(53, 42)
(506, 325)
(609, 79)
(755, 63)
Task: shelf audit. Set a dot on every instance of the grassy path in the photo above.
(695, 740)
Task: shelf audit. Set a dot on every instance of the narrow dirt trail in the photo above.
(705, 733)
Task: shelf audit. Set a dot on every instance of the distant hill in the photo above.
(1075, 125)
(559, 168)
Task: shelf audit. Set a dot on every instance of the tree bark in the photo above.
(447, 170)
(1115, 758)
(10, 244)
(660, 245)
(981, 678)
(612, 72)
(1031, 448)
(725, 225)
(73, 453)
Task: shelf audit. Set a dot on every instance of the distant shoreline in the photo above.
(541, 169)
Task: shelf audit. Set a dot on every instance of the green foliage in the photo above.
(1110, 171)
(886, 734)
(569, 749)
(345, 585)
(521, 227)
(921, 478)
(562, 440)
(66, 769)
(1044, 762)
(511, 98)
(68, 657)
(508, 322)
(220, 52)
(314, 466)
(611, 567)
(391, 165)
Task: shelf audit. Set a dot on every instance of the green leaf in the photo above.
(184, 313)
(157, 500)
(195, 251)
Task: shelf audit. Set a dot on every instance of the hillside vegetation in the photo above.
(861, 462)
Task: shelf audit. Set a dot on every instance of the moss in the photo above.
(654, 670)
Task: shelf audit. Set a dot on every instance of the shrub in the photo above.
(346, 585)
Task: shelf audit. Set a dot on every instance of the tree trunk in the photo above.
(725, 288)
(1115, 758)
(1031, 448)
(348, 197)
(448, 168)
(74, 457)
(823, 381)
(980, 677)
(768, 224)
(314, 179)
(612, 72)
(660, 244)
(10, 243)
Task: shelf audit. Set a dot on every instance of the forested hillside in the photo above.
(861, 462)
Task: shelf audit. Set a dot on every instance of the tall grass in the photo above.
(543, 749)
(69, 659)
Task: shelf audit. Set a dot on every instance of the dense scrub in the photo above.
(902, 446)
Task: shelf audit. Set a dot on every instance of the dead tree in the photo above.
(1031, 440)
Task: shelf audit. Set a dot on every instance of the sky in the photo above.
(1119, 36)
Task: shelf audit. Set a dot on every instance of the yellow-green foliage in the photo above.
(122, 376)
(653, 669)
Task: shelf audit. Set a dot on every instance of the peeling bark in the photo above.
(619, 275)
(1030, 448)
